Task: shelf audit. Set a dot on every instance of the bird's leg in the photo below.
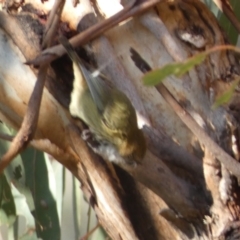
(105, 149)
(89, 137)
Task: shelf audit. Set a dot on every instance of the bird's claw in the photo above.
(86, 134)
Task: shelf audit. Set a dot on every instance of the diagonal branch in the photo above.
(52, 23)
(229, 162)
(29, 124)
(96, 30)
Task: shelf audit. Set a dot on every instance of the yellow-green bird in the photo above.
(108, 113)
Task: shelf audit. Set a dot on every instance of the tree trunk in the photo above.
(181, 191)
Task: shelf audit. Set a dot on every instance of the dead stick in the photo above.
(230, 163)
(96, 30)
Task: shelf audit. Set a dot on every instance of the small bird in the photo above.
(108, 112)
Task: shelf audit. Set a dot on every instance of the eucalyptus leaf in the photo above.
(22, 208)
(177, 69)
(228, 27)
(227, 95)
(7, 206)
(41, 180)
(15, 177)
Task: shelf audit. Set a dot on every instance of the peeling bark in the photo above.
(181, 191)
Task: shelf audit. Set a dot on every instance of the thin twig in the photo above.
(96, 30)
(52, 23)
(29, 124)
(226, 8)
(88, 234)
(230, 163)
(89, 217)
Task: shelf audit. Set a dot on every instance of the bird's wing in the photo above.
(99, 90)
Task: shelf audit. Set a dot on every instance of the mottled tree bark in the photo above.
(181, 191)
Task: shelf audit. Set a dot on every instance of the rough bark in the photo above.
(181, 191)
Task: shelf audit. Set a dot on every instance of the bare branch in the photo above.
(159, 30)
(82, 38)
(29, 124)
(52, 23)
(103, 182)
(88, 234)
(171, 153)
(12, 27)
(179, 195)
(230, 163)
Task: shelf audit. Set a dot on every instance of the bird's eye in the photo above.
(124, 135)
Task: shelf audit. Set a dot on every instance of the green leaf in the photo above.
(21, 194)
(57, 188)
(41, 180)
(11, 233)
(228, 27)
(190, 63)
(7, 206)
(177, 69)
(157, 76)
(22, 208)
(227, 95)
